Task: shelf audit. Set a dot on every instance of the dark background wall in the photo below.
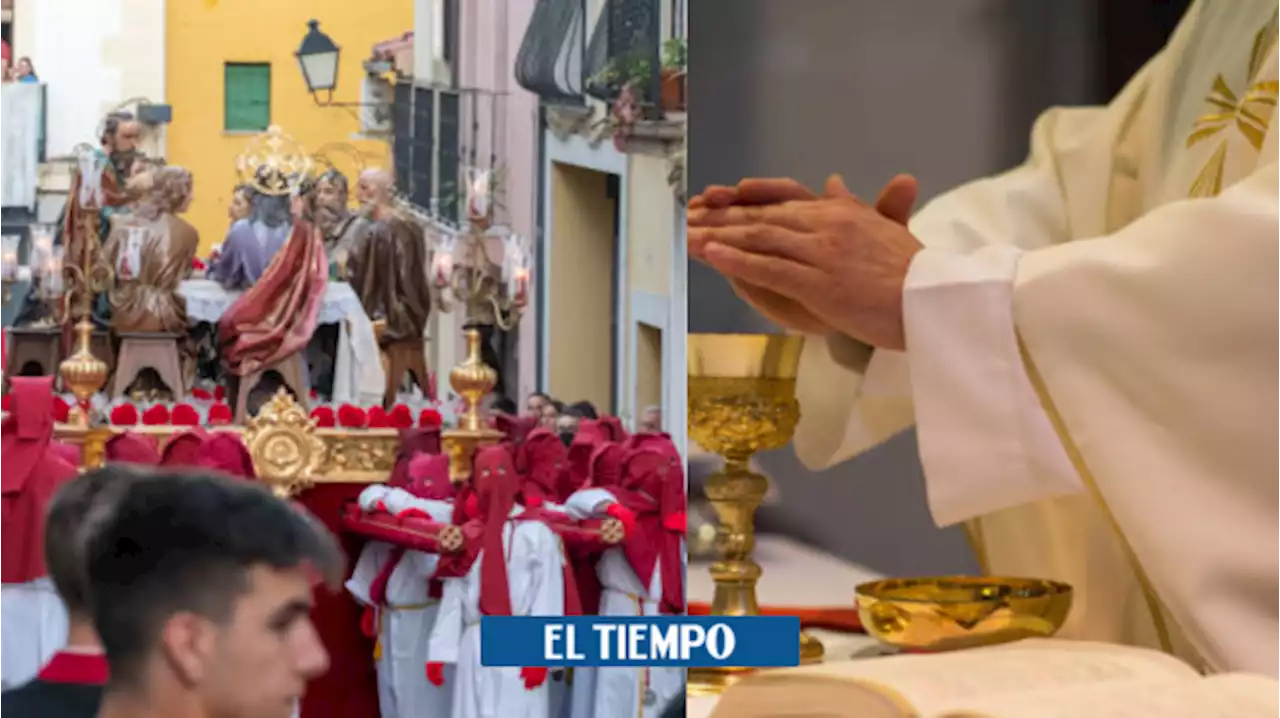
(868, 88)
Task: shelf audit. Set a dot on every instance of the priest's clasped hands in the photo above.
(810, 263)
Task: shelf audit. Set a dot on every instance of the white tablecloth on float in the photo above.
(794, 575)
(358, 377)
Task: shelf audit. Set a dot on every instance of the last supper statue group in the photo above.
(303, 292)
(441, 523)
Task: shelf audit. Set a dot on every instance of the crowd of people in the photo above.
(547, 412)
(171, 583)
(22, 71)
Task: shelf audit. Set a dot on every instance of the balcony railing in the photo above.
(625, 49)
(23, 132)
(549, 63)
(438, 133)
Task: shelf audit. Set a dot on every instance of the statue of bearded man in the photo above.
(341, 228)
(151, 251)
(119, 140)
(389, 268)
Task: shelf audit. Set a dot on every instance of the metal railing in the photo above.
(24, 128)
(625, 49)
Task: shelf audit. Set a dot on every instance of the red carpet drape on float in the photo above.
(350, 688)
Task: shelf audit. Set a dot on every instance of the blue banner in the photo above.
(683, 641)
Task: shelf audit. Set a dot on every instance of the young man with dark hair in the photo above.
(70, 684)
(202, 592)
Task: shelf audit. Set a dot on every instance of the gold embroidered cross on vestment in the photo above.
(1250, 113)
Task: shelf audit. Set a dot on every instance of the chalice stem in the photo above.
(735, 494)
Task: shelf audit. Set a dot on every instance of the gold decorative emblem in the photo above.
(281, 439)
(612, 532)
(361, 453)
(274, 163)
(1249, 113)
(449, 538)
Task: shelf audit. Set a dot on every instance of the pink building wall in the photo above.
(490, 32)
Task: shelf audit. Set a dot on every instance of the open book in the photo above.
(1044, 678)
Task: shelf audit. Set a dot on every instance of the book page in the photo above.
(1228, 696)
(936, 682)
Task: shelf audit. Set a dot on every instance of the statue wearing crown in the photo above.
(277, 257)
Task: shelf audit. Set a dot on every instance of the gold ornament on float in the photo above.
(285, 449)
(274, 163)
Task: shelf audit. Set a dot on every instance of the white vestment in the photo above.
(33, 626)
(405, 622)
(1092, 354)
(535, 577)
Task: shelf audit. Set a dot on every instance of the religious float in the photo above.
(297, 437)
(320, 448)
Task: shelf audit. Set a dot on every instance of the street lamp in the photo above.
(318, 58)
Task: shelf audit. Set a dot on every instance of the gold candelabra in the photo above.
(464, 275)
(82, 372)
(742, 400)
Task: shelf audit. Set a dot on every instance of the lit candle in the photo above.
(521, 294)
(442, 268)
(42, 240)
(478, 195)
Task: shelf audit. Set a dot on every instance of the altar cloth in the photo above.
(358, 375)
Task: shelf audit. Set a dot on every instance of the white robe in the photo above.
(622, 692)
(1092, 364)
(405, 623)
(33, 626)
(535, 576)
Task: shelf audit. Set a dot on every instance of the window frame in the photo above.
(227, 70)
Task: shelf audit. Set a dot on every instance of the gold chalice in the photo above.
(952, 612)
(742, 400)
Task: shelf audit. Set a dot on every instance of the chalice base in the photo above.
(811, 650)
(714, 681)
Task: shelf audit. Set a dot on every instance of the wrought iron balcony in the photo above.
(549, 63)
(625, 51)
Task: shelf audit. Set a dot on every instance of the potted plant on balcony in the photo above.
(620, 71)
(675, 59)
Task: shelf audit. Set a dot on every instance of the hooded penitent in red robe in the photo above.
(652, 488)
(133, 448)
(32, 472)
(34, 622)
(488, 501)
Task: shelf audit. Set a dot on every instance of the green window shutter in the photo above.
(247, 99)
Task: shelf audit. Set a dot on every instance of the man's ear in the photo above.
(188, 642)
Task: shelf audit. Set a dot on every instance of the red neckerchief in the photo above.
(86, 669)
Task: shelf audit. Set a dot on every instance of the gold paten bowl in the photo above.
(951, 612)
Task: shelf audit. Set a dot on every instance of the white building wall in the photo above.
(93, 55)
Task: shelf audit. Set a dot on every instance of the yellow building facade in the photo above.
(202, 38)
